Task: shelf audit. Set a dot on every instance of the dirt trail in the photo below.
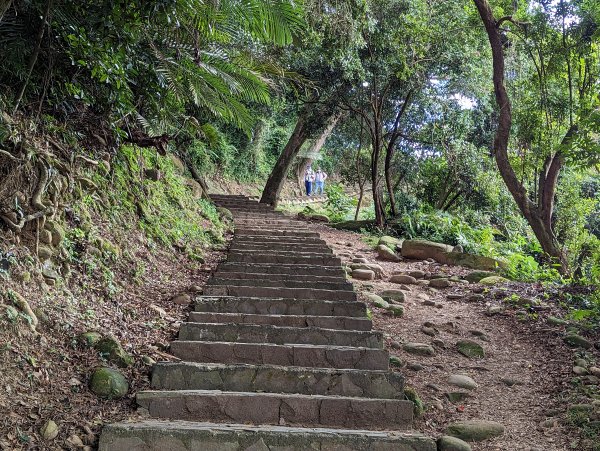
(530, 353)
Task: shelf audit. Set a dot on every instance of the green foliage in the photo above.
(525, 268)
(338, 204)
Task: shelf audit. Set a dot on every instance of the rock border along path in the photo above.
(278, 354)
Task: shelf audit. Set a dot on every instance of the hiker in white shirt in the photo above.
(309, 178)
(320, 178)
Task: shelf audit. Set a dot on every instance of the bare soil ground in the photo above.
(518, 347)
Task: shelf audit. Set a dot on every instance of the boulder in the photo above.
(493, 280)
(195, 188)
(44, 252)
(577, 341)
(45, 236)
(391, 242)
(109, 383)
(470, 261)
(393, 295)
(448, 443)
(89, 339)
(439, 283)
(462, 381)
(554, 321)
(377, 269)
(387, 254)
(476, 276)
(113, 351)
(377, 301)
(396, 310)
(419, 349)
(363, 274)
(470, 348)
(423, 249)
(177, 163)
(396, 362)
(57, 231)
(49, 430)
(475, 430)
(417, 274)
(403, 278)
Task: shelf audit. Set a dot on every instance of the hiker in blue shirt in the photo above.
(309, 178)
(320, 178)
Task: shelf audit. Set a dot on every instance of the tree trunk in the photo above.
(537, 215)
(361, 193)
(276, 180)
(375, 185)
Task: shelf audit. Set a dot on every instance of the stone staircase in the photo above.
(278, 355)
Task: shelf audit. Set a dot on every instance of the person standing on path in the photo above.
(320, 178)
(309, 178)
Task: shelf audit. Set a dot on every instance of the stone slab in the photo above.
(262, 333)
(156, 435)
(287, 355)
(278, 292)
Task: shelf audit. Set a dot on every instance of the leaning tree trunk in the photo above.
(537, 215)
(276, 180)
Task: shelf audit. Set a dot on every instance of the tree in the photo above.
(538, 207)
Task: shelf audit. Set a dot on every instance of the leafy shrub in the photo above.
(525, 268)
(338, 204)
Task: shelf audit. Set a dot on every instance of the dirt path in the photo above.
(529, 353)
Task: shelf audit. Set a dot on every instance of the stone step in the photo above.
(266, 239)
(324, 322)
(267, 268)
(279, 306)
(313, 356)
(256, 257)
(266, 246)
(264, 281)
(277, 409)
(289, 227)
(277, 379)
(264, 333)
(288, 277)
(275, 232)
(278, 292)
(157, 435)
(293, 254)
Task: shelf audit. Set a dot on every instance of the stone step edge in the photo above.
(155, 435)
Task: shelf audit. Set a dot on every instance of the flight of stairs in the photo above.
(278, 355)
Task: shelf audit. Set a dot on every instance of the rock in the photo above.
(594, 371)
(439, 275)
(360, 260)
(470, 261)
(475, 430)
(177, 163)
(581, 362)
(318, 217)
(457, 396)
(429, 331)
(412, 395)
(377, 269)
(493, 310)
(417, 274)
(45, 236)
(462, 381)
(377, 301)
(50, 273)
(448, 443)
(415, 367)
(439, 283)
(44, 253)
(396, 362)
(580, 371)
(458, 249)
(419, 349)
(225, 213)
(89, 339)
(454, 296)
(393, 295)
(182, 299)
(470, 349)
(396, 310)
(385, 253)
(363, 274)
(108, 383)
(153, 174)
(149, 361)
(113, 351)
(57, 231)
(423, 249)
(577, 341)
(439, 343)
(434, 387)
(395, 344)
(49, 430)
(429, 303)
(403, 278)
(553, 320)
(476, 297)
(509, 381)
(390, 242)
(493, 280)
